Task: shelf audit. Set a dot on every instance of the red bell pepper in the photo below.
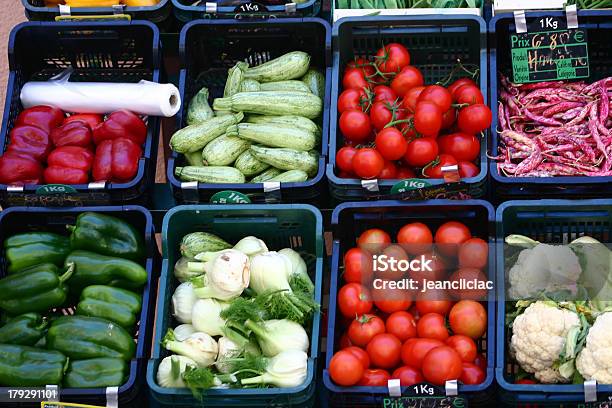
(73, 133)
(30, 140)
(92, 119)
(116, 160)
(65, 175)
(69, 165)
(19, 169)
(42, 116)
(121, 123)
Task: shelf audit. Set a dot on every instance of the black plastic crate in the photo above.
(598, 24)
(99, 52)
(209, 48)
(435, 42)
(186, 10)
(349, 220)
(37, 11)
(25, 219)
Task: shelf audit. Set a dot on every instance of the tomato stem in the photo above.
(433, 163)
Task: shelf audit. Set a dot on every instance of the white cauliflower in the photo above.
(538, 338)
(545, 268)
(595, 360)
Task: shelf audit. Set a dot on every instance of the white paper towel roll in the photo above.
(144, 97)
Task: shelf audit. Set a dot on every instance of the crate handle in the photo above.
(242, 220)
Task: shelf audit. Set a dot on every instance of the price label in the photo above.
(50, 404)
(424, 396)
(549, 51)
(251, 7)
(409, 184)
(50, 189)
(229, 197)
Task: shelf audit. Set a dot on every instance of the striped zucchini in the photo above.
(274, 135)
(291, 176)
(292, 65)
(234, 79)
(266, 175)
(299, 122)
(194, 137)
(224, 150)
(199, 110)
(249, 165)
(194, 158)
(249, 85)
(272, 103)
(288, 159)
(197, 242)
(315, 81)
(210, 174)
(289, 85)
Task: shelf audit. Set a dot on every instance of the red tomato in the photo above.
(469, 275)
(472, 374)
(345, 369)
(415, 238)
(467, 169)
(344, 158)
(474, 253)
(351, 99)
(442, 160)
(354, 299)
(361, 354)
(414, 350)
(438, 271)
(481, 361)
(431, 326)
(368, 163)
(389, 171)
(427, 118)
(391, 143)
(382, 113)
(469, 94)
(468, 317)
(382, 93)
(421, 151)
(354, 78)
(92, 119)
(364, 328)
(525, 381)
(344, 341)
(391, 300)
(405, 173)
(345, 174)
(450, 235)
(384, 350)
(374, 377)
(461, 146)
(474, 118)
(357, 266)
(402, 325)
(438, 95)
(442, 364)
(464, 346)
(392, 58)
(448, 118)
(373, 239)
(408, 376)
(411, 97)
(433, 306)
(355, 125)
(408, 78)
(393, 252)
(363, 64)
(459, 83)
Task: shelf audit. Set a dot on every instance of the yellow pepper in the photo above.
(92, 3)
(140, 3)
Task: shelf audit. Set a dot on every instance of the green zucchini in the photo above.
(197, 242)
(224, 150)
(199, 110)
(292, 65)
(210, 174)
(272, 103)
(289, 85)
(266, 175)
(194, 137)
(194, 158)
(315, 81)
(249, 165)
(295, 121)
(291, 176)
(250, 85)
(274, 135)
(288, 159)
(234, 79)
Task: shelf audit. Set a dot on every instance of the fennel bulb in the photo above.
(275, 336)
(269, 272)
(182, 272)
(251, 246)
(206, 316)
(227, 277)
(171, 369)
(286, 369)
(182, 331)
(298, 267)
(200, 347)
(227, 350)
(182, 302)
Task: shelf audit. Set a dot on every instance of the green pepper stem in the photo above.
(63, 278)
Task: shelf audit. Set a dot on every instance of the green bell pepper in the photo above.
(107, 235)
(82, 337)
(33, 248)
(95, 269)
(35, 289)
(26, 330)
(114, 304)
(24, 366)
(96, 373)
